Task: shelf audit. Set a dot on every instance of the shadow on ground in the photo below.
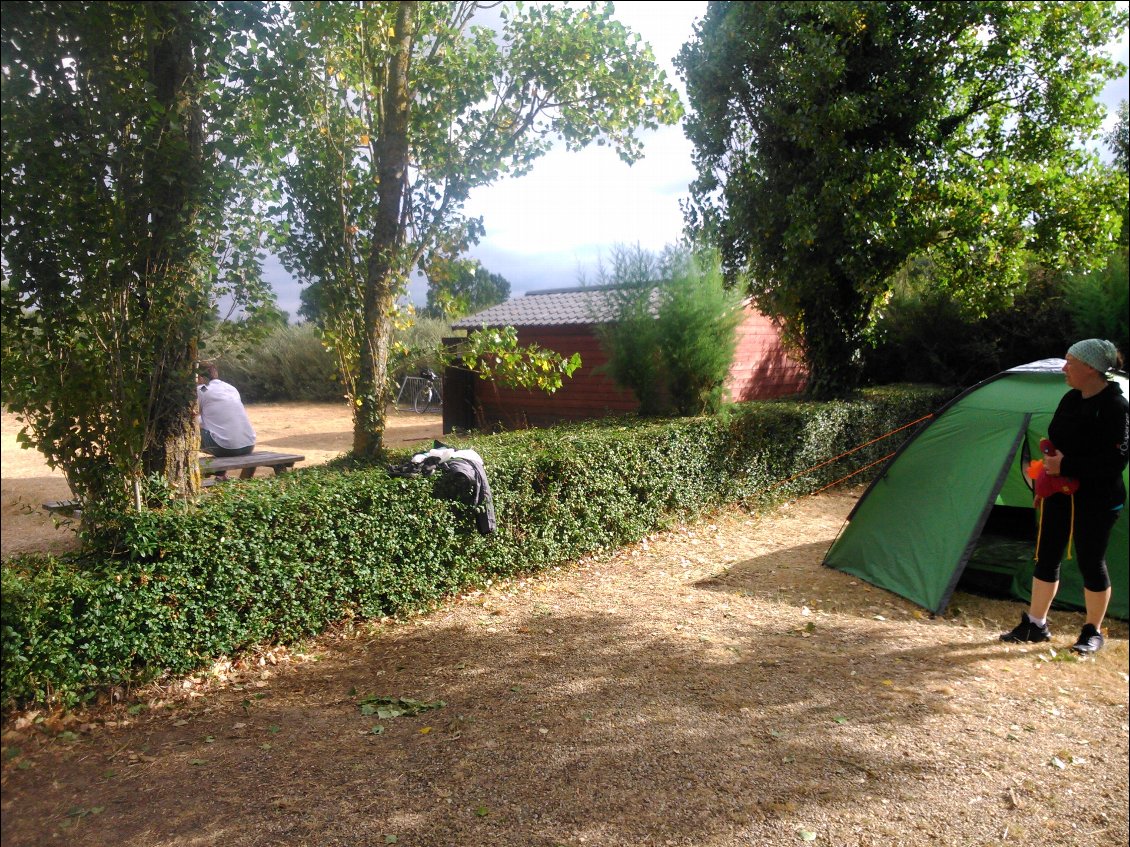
(593, 728)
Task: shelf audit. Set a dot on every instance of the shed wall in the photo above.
(761, 370)
(587, 394)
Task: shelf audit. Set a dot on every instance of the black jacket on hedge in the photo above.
(1092, 434)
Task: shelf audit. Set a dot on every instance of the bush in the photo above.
(1038, 326)
(278, 559)
(924, 335)
(697, 321)
(670, 342)
(631, 343)
(290, 364)
(419, 346)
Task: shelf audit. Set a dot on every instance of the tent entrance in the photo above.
(1004, 548)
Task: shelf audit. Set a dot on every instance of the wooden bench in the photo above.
(218, 466)
(210, 466)
(71, 508)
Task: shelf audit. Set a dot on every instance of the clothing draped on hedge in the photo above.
(460, 477)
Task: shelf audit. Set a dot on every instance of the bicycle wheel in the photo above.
(423, 399)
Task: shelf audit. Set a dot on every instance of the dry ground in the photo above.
(713, 685)
(318, 431)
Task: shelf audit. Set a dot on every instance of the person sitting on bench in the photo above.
(225, 429)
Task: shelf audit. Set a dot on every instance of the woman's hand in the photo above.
(1052, 462)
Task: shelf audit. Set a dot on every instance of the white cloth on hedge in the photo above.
(441, 454)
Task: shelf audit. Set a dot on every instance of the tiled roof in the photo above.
(561, 307)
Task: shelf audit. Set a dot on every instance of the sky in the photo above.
(552, 226)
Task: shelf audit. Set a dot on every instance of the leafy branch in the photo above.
(495, 354)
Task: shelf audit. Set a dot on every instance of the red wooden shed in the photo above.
(565, 320)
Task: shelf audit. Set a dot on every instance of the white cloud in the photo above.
(590, 197)
(543, 229)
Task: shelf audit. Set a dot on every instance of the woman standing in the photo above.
(1089, 434)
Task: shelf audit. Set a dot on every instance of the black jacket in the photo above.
(1092, 434)
(464, 479)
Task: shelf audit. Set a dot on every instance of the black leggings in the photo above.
(1089, 540)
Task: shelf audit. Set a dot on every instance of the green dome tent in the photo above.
(915, 530)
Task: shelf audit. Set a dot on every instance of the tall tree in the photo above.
(667, 324)
(116, 180)
(1118, 142)
(1118, 139)
(836, 140)
(398, 110)
(458, 287)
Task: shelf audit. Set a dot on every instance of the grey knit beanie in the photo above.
(1100, 355)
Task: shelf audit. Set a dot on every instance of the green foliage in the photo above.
(628, 267)
(922, 334)
(1118, 139)
(624, 316)
(697, 320)
(630, 339)
(495, 354)
(459, 287)
(290, 364)
(127, 169)
(294, 363)
(835, 141)
(230, 335)
(671, 340)
(1099, 302)
(419, 345)
(1036, 325)
(164, 591)
(397, 110)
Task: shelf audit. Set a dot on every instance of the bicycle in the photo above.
(429, 393)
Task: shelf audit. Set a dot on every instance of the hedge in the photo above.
(271, 561)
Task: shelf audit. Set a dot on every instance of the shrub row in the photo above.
(278, 559)
(290, 364)
(293, 364)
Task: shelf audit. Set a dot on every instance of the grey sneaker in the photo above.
(1027, 632)
(1090, 640)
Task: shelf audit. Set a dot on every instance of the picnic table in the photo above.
(213, 469)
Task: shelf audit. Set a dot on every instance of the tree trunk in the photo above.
(174, 174)
(176, 449)
(384, 275)
(172, 448)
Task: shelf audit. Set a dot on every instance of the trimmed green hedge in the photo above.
(278, 559)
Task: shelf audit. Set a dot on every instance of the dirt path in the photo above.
(318, 431)
(713, 685)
